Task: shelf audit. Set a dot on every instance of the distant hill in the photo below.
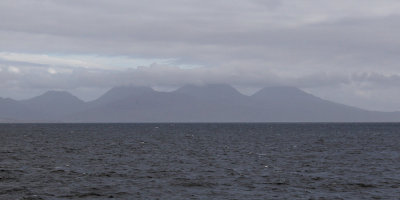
(11, 110)
(120, 93)
(209, 103)
(54, 105)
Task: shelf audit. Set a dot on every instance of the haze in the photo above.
(342, 51)
(190, 103)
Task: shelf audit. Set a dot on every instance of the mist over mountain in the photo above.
(54, 105)
(12, 111)
(119, 93)
(190, 103)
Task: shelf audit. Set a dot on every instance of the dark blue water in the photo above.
(199, 161)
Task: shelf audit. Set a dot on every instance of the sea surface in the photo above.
(200, 161)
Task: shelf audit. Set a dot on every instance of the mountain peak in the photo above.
(191, 103)
(8, 100)
(122, 92)
(209, 90)
(129, 89)
(54, 95)
(57, 93)
(280, 91)
(53, 104)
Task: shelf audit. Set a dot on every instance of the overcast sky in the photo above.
(346, 51)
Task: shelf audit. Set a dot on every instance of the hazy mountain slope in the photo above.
(119, 93)
(292, 104)
(210, 103)
(213, 92)
(13, 111)
(53, 105)
(159, 106)
(221, 103)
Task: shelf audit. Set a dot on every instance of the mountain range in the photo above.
(190, 103)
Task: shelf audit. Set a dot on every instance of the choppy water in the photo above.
(199, 161)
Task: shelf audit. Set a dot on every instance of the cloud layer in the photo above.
(350, 47)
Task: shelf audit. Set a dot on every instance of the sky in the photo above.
(345, 51)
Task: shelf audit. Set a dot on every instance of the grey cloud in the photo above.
(216, 31)
(313, 44)
(161, 75)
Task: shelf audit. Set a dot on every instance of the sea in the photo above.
(200, 161)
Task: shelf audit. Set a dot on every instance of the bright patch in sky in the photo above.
(52, 71)
(85, 61)
(14, 70)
